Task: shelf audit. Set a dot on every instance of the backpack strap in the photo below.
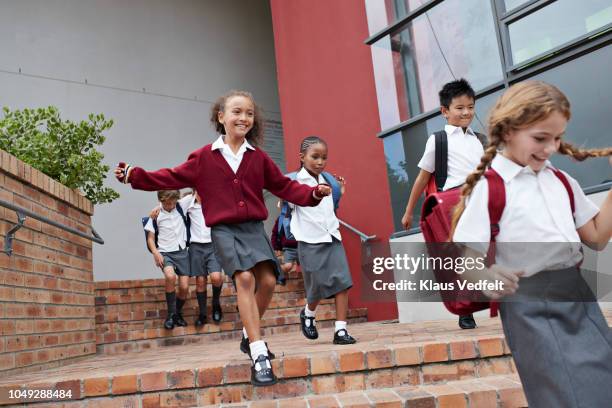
(482, 138)
(568, 188)
(156, 232)
(497, 200)
(441, 166)
(335, 186)
(186, 221)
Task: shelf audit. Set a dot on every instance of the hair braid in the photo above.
(582, 154)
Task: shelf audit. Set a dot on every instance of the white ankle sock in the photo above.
(244, 333)
(308, 312)
(340, 325)
(257, 349)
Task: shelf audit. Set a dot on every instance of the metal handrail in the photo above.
(21, 217)
(362, 236)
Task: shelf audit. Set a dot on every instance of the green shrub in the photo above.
(62, 149)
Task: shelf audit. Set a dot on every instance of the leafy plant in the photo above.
(62, 149)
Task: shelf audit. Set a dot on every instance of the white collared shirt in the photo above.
(537, 211)
(464, 154)
(232, 159)
(317, 224)
(172, 234)
(199, 231)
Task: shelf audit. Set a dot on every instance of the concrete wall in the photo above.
(153, 66)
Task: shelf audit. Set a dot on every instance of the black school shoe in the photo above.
(263, 376)
(217, 313)
(201, 321)
(179, 321)
(169, 322)
(467, 322)
(342, 337)
(244, 347)
(310, 332)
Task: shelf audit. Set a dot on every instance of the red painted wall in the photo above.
(326, 88)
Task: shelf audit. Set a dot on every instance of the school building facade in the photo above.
(364, 75)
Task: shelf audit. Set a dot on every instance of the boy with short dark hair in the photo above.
(168, 244)
(460, 150)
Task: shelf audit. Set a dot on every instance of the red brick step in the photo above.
(487, 392)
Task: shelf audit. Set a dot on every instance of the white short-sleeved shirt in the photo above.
(199, 231)
(172, 234)
(317, 224)
(464, 154)
(537, 216)
(232, 159)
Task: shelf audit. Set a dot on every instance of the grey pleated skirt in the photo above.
(560, 341)
(239, 247)
(324, 268)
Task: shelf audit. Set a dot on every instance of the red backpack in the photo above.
(436, 224)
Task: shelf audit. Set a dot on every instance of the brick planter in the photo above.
(46, 286)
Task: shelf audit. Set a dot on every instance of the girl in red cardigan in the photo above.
(230, 175)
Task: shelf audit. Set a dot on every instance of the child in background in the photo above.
(169, 248)
(230, 176)
(320, 251)
(559, 338)
(463, 152)
(202, 260)
(285, 247)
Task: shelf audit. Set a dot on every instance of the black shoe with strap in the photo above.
(169, 322)
(179, 321)
(309, 331)
(467, 322)
(244, 347)
(261, 372)
(217, 312)
(201, 321)
(342, 337)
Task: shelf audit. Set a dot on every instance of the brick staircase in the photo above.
(130, 314)
(431, 364)
(426, 365)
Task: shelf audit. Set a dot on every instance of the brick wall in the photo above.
(46, 286)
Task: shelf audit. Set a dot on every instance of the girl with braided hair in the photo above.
(560, 341)
(320, 252)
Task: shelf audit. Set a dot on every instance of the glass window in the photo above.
(383, 13)
(454, 39)
(555, 25)
(512, 4)
(590, 124)
(399, 184)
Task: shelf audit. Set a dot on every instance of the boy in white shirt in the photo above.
(463, 148)
(167, 241)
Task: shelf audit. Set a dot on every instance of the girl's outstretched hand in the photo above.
(122, 172)
(323, 190)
